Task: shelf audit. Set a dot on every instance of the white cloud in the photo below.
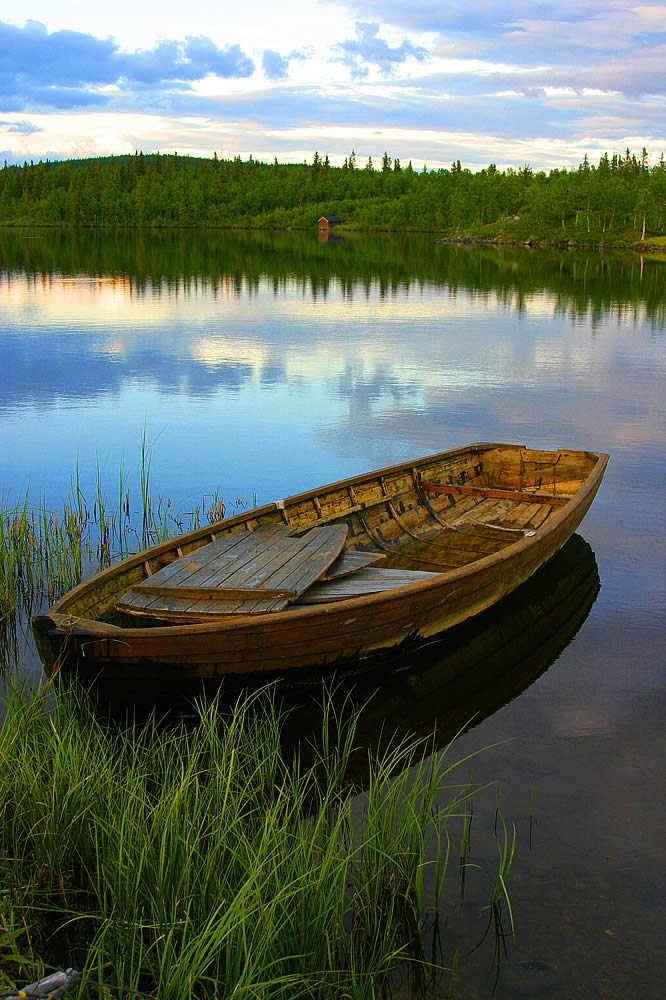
(502, 81)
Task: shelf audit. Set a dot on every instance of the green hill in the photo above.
(621, 200)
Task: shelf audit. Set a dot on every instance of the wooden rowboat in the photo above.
(372, 565)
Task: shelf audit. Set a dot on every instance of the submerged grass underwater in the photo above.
(204, 857)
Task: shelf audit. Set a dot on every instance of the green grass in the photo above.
(657, 241)
(201, 860)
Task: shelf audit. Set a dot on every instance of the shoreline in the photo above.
(546, 244)
(467, 239)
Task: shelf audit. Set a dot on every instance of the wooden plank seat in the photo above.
(247, 572)
(555, 500)
(371, 580)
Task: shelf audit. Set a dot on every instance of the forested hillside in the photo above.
(622, 198)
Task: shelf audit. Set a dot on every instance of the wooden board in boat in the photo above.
(248, 572)
(372, 580)
(350, 561)
(533, 495)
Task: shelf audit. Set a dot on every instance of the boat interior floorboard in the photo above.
(449, 552)
(371, 580)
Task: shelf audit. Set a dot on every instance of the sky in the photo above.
(431, 81)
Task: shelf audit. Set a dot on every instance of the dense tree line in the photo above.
(623, 196)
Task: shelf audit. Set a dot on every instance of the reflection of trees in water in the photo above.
(584, 284)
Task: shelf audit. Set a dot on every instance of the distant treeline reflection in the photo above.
(583, 283)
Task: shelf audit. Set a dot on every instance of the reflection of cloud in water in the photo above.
(457, 362)
(215, 350)
(73, 302)
(584, 722)
(272, 373)
(204, 380)
(364, 385)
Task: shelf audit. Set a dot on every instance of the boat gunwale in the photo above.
(272, 507)
(63, 621)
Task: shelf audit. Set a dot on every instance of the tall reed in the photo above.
(44, 552)
(203, 861)
(40, 556)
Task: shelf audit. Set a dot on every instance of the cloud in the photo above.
(193, 59)
(496, 80)
(274, 65)
(205, 57)
(23, 128)
(66, 69)
(34, 62)
(491, 18)
(568, 35)
(368, 47)
(23, 95)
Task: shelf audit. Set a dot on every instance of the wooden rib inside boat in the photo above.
(342, 572)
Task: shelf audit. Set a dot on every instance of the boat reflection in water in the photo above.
(473, 670)
(458, 680)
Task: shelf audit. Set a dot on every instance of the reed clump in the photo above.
(201, 860)
(40, 557)
(44, 552)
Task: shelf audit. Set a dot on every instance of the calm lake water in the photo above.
(261, 365)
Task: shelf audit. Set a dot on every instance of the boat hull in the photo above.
(315, 637)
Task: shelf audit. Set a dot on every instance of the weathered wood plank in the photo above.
(195, 567)
(217, 557)
(450, 506)
(275, 567)
(244, 566)
(214, 593)
(322, 547)
(449, 551)
(486, 509)
(520, 515)
(258, 564)
(366, 581)
(540, 516)
(232, 545)
(350, 561)
(346, 509)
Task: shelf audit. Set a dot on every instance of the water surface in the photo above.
(261, 365)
